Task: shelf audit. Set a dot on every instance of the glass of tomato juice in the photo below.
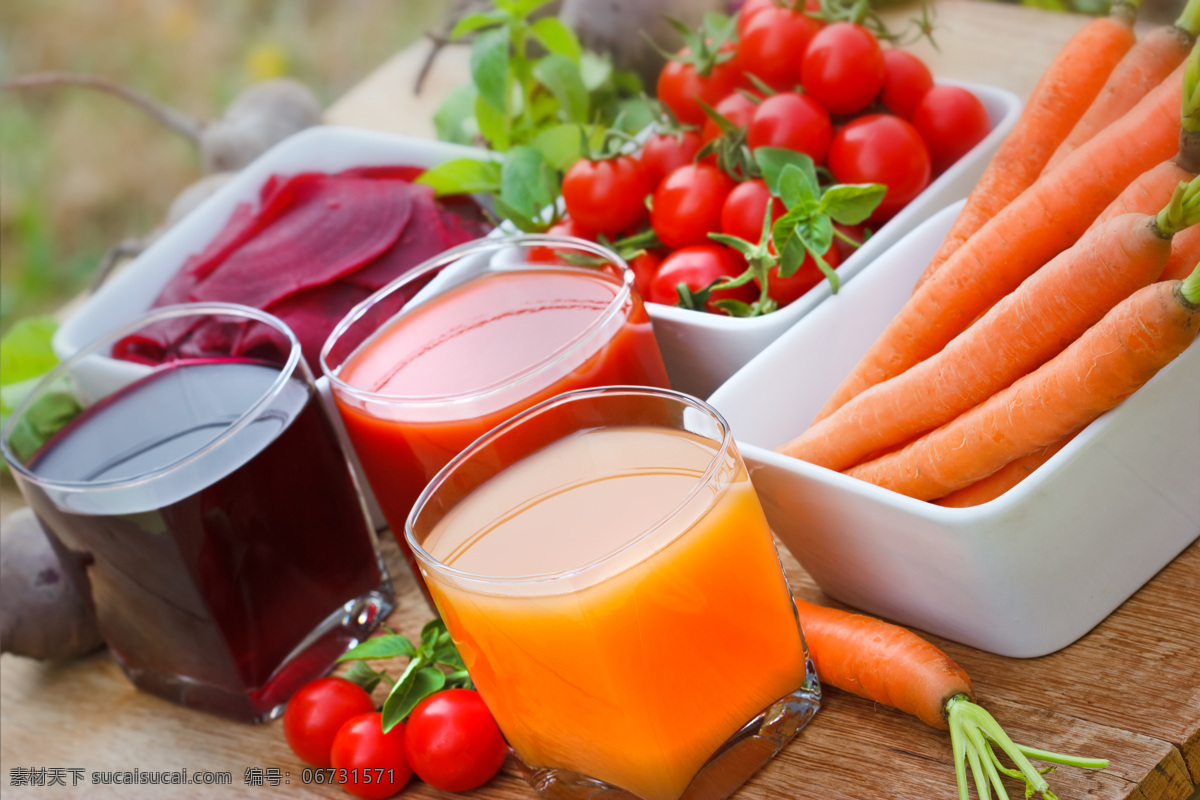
(606, 570)
(460, 344)
(199, 501)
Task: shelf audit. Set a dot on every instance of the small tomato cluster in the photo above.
(449, 740)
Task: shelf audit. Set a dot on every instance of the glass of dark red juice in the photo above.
(200, 501)
(462, 343)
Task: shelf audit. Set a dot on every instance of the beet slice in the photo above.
(311, 314)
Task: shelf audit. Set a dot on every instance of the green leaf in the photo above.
(364, 676)
(489, 67)
(462, 176)
(454, 120)
(560, 145)
(387, 646)
(523, 222)
(415, 685)
(635, 113)
(816, 233)
(521, 8)
(851, 204)
(25, 351)
(561, 76)
(493, 124)
(448, 654)
(474, 22)
(798, 188)
(595, 70)
(773, 160)
(44, 418)
(791, 257)
(526, 181)
(557, 38)
(736, 308)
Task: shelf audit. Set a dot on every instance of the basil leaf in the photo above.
(772, 161)
(387, 646)
(851, 204)
(364, 676)
(736, 308)
(560, 145)
(526, 182)
(412, 688)
(454, 120)
(474, 22)
(797, 188)
(791, 257)
(561, 76)
(557, 38)
(493, 124)
(25, 351)
(489, 67)
(44, 418)
(595, 70)
(816, 233)
(462, 176)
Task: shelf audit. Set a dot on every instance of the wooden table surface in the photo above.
(1129, 690)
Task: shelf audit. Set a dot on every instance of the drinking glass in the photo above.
(457, 346)
(606, 570)
(203, 508)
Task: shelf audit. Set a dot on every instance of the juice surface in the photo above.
(635, 670)
(475, 339)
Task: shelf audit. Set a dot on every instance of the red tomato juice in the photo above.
(441, 374)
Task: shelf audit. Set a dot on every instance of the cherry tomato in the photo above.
(316, 712)
(750, 10)
(698, 266)
(737, 108)
(858, 233)
(452, 741)
(375, 763)
(606, 196)
(547, 255)
(806, 276)
(881, 148)
(645, 266)
(663, 153)
(744, 209)
(794, 121)
(679, 86)
(842, 68)
(905, 80)
(951, 120)
(687, 205)
(771, 43)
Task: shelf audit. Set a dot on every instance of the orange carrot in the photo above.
(1096, 372)
(1062, 95)
(1045, 220)
(999, 482)
(1047, 312)
(891, 665)
(1185, 255)
(1145, 66)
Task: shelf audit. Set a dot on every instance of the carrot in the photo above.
(1048, 311)
(1185, 254)
(1045, 220)
(892, 665)
(1096, 372)
(1145, 66)
(1003, 479)
(1062, 95)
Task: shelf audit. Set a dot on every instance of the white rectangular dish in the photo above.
(1023, 575)
(702, 350)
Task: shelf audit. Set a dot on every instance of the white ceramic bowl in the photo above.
(1022, 575)
(702, 350)
(129, 293)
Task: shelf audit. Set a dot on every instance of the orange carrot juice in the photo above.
(634, 614)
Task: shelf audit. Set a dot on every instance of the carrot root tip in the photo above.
(973, 732)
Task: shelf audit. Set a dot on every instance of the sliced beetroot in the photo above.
(334, 226)
(312, 315)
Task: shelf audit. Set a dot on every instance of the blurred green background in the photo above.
(81, 170)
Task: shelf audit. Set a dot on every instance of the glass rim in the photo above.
(443, 259)
(286, 371)
(724, 446)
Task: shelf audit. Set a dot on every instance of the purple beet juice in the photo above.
(223, 574)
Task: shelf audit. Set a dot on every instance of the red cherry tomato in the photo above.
(452, 741)
(737, 108)
(750, 10)
(679, 86)
(951, 120)
(744, 209)
(663, 153)
(794, 121)
(842, 68)
(547, 255)
(906, 79)
(881, 148)
(687, 205)
(858, 233)
(316, 712)
(645, 266)
(806, 276)
(374, 762)
(697, 267)
(606, 196)
(771, 43)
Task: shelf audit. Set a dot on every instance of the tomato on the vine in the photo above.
(316, 712)
(906, 79)
(951, 120)
(881, 148)
(374, 762)
(771, 41)
(452, 741)
(607, 196)
(737, 108)
(679, 85)
(842, 69)
(794, 121)
(697, 267)
(751, 8)
(806, 276)
(645, 266)
(744, 209)
(687, 205)
(663, 153)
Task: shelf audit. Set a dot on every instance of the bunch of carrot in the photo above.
(1055, 296)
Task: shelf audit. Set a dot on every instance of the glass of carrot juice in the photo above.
(466, 340)
(605, 568)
